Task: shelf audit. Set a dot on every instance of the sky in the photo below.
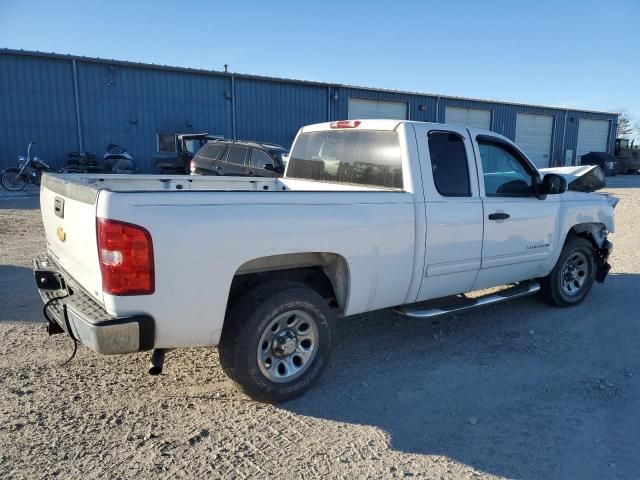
(567, 53)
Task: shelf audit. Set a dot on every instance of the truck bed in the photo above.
(85, 187)
(205, 229)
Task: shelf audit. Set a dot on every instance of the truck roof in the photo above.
(386, 124)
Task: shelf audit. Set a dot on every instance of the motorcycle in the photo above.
(29, 171)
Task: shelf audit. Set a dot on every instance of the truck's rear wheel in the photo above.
(276, 340)
(572, 278)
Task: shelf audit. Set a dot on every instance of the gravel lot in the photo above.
(519, 390)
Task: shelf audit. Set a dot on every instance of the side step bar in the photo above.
(460, 303)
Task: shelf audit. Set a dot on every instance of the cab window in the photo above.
(504, 173)
(449, 164)
(371, 158)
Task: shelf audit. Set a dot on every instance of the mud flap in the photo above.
(602, 272)
(603, 265)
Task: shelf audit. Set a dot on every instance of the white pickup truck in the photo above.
(370, 214)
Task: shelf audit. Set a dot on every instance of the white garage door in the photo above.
(468, 117)
(592, 136)
(365, 108)
(533, 136)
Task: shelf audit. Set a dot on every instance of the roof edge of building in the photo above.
(202, 71)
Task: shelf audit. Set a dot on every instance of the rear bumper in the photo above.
(70, 308)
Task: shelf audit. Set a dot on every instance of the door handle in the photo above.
(498, 216)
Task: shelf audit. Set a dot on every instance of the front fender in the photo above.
(586, 214)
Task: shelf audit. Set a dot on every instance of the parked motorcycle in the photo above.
(29, 170)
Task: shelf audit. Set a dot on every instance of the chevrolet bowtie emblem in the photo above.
(62, 236)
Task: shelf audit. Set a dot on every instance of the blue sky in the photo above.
(580, 54)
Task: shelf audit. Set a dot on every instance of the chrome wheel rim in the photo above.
(574, 273)
(287, 346)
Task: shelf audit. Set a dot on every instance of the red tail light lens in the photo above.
(345, 124)
(125, 252)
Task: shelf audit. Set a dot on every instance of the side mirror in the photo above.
(552, 184)
(269, 166)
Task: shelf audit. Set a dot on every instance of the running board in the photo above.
(460, 303)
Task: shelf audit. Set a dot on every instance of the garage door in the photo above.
(366, 108)
(592, 136)
(469, 117)
(533, 136)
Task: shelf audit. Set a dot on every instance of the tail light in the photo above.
(345, 124)
(126, 258)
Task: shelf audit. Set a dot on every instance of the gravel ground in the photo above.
(520, 390)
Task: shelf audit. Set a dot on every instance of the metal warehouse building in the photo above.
(68, 103)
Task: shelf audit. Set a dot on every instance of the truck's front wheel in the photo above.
(276, 340)
(572, 278)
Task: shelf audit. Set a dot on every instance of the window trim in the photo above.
(519, 156)
(466, 157)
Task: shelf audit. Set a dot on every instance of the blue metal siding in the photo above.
(421, 108)
(129, 105)
(573, 124)
(504, 119)
(36, 104)
(275, 111)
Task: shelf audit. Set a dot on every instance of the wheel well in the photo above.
(594, 232)
(326, 273)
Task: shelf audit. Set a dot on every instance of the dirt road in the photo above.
(521, 390)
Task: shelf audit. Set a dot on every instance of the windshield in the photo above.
(364, 157)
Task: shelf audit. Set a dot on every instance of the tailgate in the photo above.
(69, 218)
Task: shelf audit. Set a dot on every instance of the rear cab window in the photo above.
(449, 164)
(370, 158)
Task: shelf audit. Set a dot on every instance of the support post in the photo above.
(77, 100)
(233, 106)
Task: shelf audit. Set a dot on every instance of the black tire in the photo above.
(555, 285)
(243, 340)
(12, 181)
